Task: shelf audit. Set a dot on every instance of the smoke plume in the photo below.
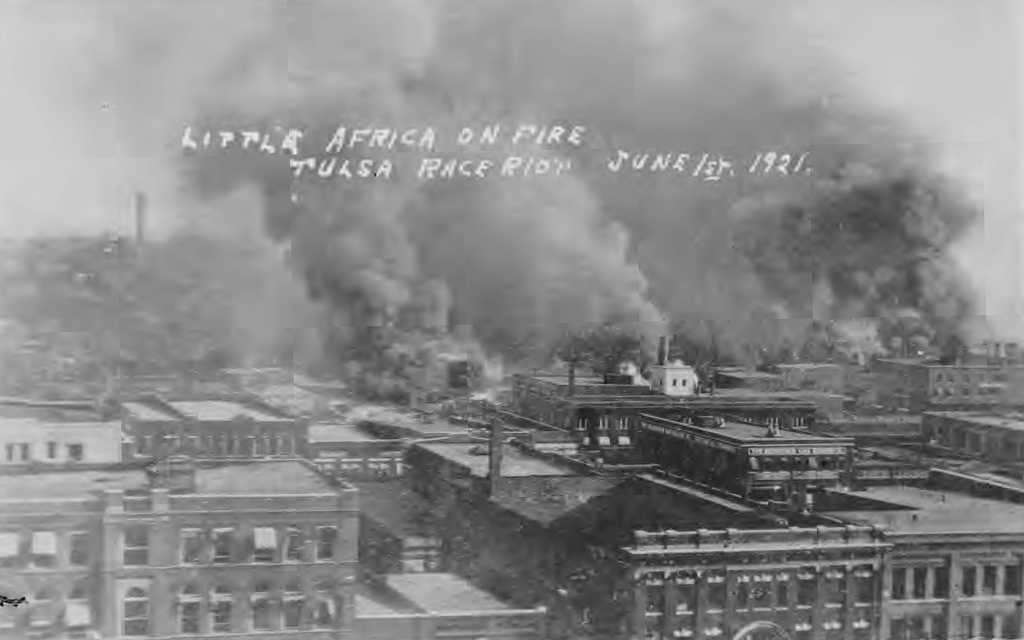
(522, 261)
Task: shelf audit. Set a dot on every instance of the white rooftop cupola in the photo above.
(675, 378)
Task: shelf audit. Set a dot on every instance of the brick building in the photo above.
(600, 415)
(246, 550)
(237, 428)
(997, 437)
(812, 584)
(920, 385)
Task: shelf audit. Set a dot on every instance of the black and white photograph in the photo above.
(512, 319)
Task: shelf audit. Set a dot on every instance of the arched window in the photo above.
(136, 612)
(294, 602)
(189, 602)
(262, 608)
(220, 609)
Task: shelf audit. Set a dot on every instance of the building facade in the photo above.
(991, 436)
(234, 551)
(921, 385)
(27, 442)
(812, 584)
(226, 429)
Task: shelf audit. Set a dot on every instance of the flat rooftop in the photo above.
(424, 593)
(222, 411)
(515, 463)
(199, 410)
(926, 511)
(985, 419)
(284, 477)
(443, 593)
(744, 432)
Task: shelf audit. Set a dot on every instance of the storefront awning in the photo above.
(44, 543)
(77, 614)
(8, 545)
(265, 538)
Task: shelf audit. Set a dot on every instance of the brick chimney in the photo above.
(662, 351)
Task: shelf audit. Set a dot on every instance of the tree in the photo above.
(603, 349)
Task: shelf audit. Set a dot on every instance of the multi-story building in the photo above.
(238, 428)
(600, 414)
(806, 584)
(996, 437)
(819, 376)
(920, 385)
(244, 550)
(784, 468)
(31, 443)
(956, 567)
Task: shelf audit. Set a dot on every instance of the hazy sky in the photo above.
(77, 140)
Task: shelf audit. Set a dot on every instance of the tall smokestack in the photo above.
(140, 218)
(572, 378)
(496, 451)
(663, 350)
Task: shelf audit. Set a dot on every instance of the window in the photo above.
(76, 452)
(920, 581)
(262, 608)
(1011, 580)
(968, 581)
(864, 584)
(988, 580)
(77, 611)
(323, 613)
(220, 609)
(941, 590)
(265, 543)
(188, 615)
(899, 584)
(293, 605)
(807, 586)
(223, 541)
(191, 546)
(26, 452)
(325, 541)
(988, 626)
(782, 593)
(136, 612)
(136, 546)
(51, 450)
(295, 545)
(10, 549)
(44, 549)
(78, 545)
(10, 452)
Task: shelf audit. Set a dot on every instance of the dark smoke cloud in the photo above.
(522, 261)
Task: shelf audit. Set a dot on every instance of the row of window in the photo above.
(947, 392)
(933, 583)
(764, 591)
(43, 549)
(226, 545)
(936, 627)
(223, 445)
(22, 452)
(221, 610)
(49, 610)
